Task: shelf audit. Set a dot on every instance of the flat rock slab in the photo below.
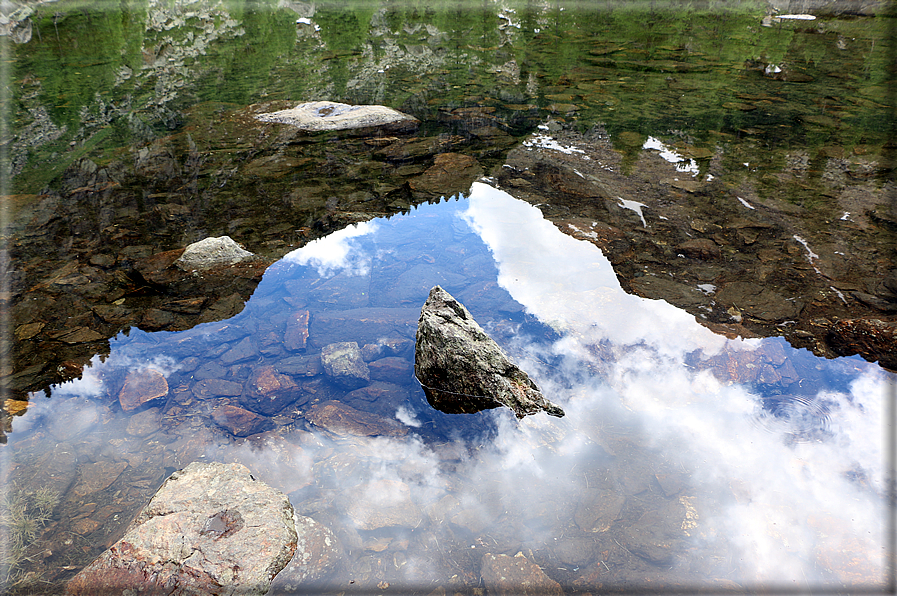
(142, 386)
(384, 503)
(463, 370)
(344, 420)
(317, 554)
(211, 529)
(327, 115)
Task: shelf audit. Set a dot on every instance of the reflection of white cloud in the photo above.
(91, 383)
(337, 252)
(682, 164)
(778, 511)
(558, 278)
(407, 417)
(768, 494)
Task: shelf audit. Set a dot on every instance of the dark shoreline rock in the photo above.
(463, 370)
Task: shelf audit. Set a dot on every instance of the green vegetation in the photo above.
(22, 516)
(113, 76)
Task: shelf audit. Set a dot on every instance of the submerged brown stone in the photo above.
(140, 387)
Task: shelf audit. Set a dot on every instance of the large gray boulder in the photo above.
(463, 370)
(211, 529)
(212, 252)
(316, 116)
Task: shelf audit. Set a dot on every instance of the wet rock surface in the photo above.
(463, 370)
(210, 529)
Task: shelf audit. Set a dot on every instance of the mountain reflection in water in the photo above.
(666, 470)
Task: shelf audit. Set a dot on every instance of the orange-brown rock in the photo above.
(268, 391)
(142, 386)
(238, 421)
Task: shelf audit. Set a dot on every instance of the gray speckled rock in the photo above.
(327, 115)
(211, 529)
(343, 363)
(463, 370)
(211, 252)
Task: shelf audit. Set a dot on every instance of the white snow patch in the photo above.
(745, 203)
(682, 164)
(633, 206)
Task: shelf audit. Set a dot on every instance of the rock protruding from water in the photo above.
(212, 252)
(316, 116)
(463, 370)
(212, 528)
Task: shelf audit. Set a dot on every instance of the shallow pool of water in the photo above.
(685, 460)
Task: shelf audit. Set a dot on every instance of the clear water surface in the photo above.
(665, 469)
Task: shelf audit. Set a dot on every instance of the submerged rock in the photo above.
(344, 365)
(504, 574)
(142, 386)
(328, 115)
(463, 370)
(317, 554)
(210, 529)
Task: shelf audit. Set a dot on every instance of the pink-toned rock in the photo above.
(506, 575)
(211, 529)
(142, 386)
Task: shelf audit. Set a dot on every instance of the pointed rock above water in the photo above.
(463, 370)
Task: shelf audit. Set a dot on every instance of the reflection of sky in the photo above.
(782, 506)
(337, 252)
(694, 418)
